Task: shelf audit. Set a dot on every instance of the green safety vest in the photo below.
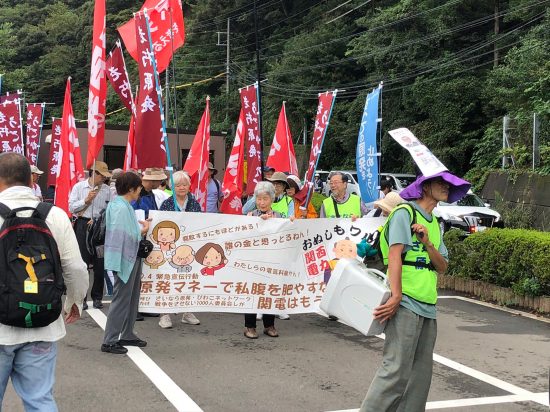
(281, 205)
(418, 277)
(350, 207)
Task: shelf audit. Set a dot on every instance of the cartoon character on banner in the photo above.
(155, 259)
(165, 234)
(344, 248)
(212, 257)
(182, 258)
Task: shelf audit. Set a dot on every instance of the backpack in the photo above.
(95, 236)
(31, 277)
(376, 260)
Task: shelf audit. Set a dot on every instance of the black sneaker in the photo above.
(116, 348)
(332, 317)
(85, 305)
(98, 304)
(133, 342)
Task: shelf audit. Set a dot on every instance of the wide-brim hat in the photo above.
(154, 173)
(294, 181)
(211, 167)
(457, 187)
(102, 168)
(388, 203)
(36, 170)
(278, 177)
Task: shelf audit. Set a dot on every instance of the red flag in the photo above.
(53, 164)
(324, 110)
(249, 105)
(118, 76)
(70, 160)
(130, 158)
(11, 133)
(282, 156)
(161, 13)
(197, 160)
(98, 86)
(35, 114)
(149, 143)
(232, 186)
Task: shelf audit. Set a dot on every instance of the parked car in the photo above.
(470, 214)
(399, 180)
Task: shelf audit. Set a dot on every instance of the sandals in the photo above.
(251, 333)
(271, 331)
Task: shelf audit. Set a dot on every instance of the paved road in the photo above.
(486, 360)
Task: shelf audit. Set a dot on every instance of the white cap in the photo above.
(36, 170)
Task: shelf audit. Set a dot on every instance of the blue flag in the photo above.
(366, 159)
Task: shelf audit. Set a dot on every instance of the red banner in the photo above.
(324, 110)
(130, 158)
(70, 166)
(232, 186)
(282, 157)
(249, 106)
(98, 86)
(197, 160)
(10, 126)
(118, 76)
(149, 143)
(53, 164)
(35, 113)
(166, 22)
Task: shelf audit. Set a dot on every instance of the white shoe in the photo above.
(189, 318)
(284, 316)
(259, 316)
(165, 322)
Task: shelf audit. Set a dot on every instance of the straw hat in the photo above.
(278, 177)
(388, 203)
(102, 168)
(36, 170)
(154, 173)
(211, 167)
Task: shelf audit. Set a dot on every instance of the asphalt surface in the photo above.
(315, 365)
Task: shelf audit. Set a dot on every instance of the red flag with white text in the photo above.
(197, 160)
(282, 157)
(324, 110)
(166, 21)
(249, 105)
(97, 96)
(53, 164)
(118, 76)
(35, 116)
(11, 132)
(70, 159)
(149, 138)
(232, 186)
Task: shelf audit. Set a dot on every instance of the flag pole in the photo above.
(176, 124)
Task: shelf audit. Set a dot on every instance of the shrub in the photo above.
(317, 200)
(513, 258)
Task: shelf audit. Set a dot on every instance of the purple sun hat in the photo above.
(457, 187)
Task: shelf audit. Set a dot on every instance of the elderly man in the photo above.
(340, 203)
(36, 173)
(28, 355)
(413, 249)
(151, 179)
(86, 201)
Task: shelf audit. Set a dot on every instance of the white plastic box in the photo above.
(353, 292)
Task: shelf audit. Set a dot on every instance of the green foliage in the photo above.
(477, 176)
(515, 215)
(514, 258)
(317, 201)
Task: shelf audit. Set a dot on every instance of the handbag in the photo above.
(145, 248)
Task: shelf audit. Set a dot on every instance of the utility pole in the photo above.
(536, 148)
(505, 126)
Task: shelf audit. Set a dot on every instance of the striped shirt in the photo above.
(80, 192)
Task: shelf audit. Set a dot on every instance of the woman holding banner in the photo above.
(187, 203)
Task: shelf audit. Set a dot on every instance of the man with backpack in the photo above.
(86, 201)
(412, 247)
(39, 257)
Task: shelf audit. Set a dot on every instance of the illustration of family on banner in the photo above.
(243, 264)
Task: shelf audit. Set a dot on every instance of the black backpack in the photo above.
(31, 277)
(95, 237)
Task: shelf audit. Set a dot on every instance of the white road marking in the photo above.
(490, 400)
(175, 395)
(498, 307)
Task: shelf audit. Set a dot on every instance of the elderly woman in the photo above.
(282, 203)
(264, 193)
(122, 237)
(186, 202)
(294, 186)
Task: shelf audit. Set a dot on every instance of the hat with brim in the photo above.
(457, 187)
(211, 167)
(36, 170)
(278, 177)
(294, 181)
(388, 203)
(102, 168)
(154, 173)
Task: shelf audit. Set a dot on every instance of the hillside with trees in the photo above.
(451, 69)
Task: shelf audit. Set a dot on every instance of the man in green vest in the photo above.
(412, 245)
(340, 203)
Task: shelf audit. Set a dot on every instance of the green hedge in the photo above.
(514, 258)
